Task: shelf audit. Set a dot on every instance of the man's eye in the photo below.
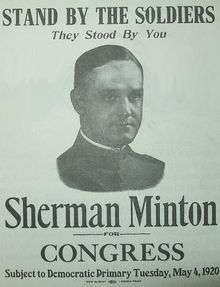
(135, 96)
(110, 98)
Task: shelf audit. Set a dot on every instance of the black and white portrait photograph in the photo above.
(108, 97)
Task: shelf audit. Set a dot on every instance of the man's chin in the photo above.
(123, 140)
(121, 137)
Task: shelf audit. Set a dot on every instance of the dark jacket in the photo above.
(87, 167)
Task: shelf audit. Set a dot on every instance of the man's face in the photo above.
(111, 110)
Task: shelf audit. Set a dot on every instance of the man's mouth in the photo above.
(128, 122)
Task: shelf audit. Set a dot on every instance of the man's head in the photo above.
(108, 94)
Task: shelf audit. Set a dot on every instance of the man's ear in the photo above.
(77, 100)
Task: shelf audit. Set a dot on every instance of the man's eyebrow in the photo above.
(116, 89)
(109, 89)
(138, 90)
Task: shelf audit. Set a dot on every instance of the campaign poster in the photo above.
(109, 116)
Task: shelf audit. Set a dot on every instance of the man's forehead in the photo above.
(117, 73)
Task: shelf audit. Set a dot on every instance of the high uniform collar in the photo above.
(115, 149)
(99, 156)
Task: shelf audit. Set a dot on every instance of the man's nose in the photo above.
(125, 107)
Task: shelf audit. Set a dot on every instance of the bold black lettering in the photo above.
(6, 17)
(43, 255)
(164, 252)
(210, 12)
(141, 18)
(13, 212)
(178, 251)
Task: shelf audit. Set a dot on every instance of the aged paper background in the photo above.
(180, 126)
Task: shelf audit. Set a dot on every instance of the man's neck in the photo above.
(100, 145)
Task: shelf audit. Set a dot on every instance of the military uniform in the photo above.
(86, 166)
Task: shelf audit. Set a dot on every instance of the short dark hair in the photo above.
(100, 56)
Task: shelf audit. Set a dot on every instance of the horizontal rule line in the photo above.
(143, 233)
(103, 234)
(87, 234)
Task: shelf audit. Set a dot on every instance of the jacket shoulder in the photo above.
(148, 159)
(64, 160)
(65, 164)
(150, 169)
